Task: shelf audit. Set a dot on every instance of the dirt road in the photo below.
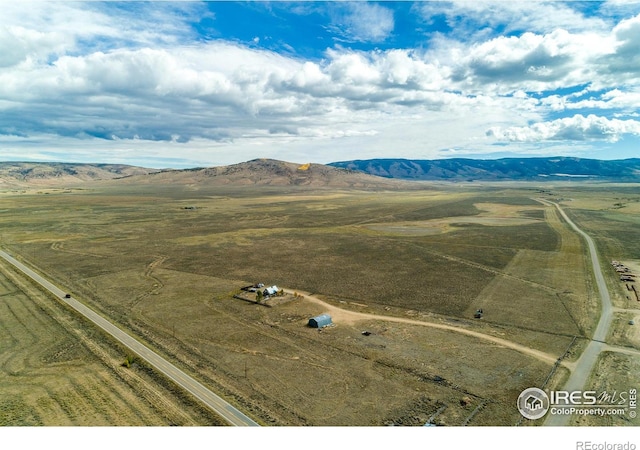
(585, 364)
(350, 317)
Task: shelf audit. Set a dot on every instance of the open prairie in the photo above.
(616, 373)
(611, 215)
(55, 370)
(165, 262)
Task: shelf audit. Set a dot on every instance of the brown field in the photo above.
(614, 372)
(165, 261)
(624, 334)
(610, 214)
(56, 371)
(534, 274)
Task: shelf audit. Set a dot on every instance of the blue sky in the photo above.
(184, 84)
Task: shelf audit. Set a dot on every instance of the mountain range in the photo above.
(22, 174)
(269, 172)
(511, 169)
(373, 173)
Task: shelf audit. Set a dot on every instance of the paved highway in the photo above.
(586, 362)
(202, 393)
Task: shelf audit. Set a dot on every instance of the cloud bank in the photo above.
(134, 75)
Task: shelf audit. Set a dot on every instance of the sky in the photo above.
(190, 84)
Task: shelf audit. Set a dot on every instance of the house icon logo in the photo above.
(533, 403)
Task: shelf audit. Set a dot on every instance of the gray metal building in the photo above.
(320, 321)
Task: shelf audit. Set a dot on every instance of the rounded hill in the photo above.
(270, 172)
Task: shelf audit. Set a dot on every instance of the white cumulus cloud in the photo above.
(109, 73)
(475, 19)
(361, 21)
(576, 128)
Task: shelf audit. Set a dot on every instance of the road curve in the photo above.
(355, 316)
(585, 364)
(229, 413)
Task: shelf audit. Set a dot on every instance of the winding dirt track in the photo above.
(346, 316)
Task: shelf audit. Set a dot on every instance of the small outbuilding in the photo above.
(271, 290)
(320, 321)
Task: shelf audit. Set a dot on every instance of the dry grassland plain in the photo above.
(164, 262)
(611, 215)
(56, 370)
(615, 373)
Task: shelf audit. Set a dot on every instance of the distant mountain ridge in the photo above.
(16, 174)
(259, 172)
(373, 173)
(514, 169)
(268, 172)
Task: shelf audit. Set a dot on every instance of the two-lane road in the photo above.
(202, 393)
(586, 362)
